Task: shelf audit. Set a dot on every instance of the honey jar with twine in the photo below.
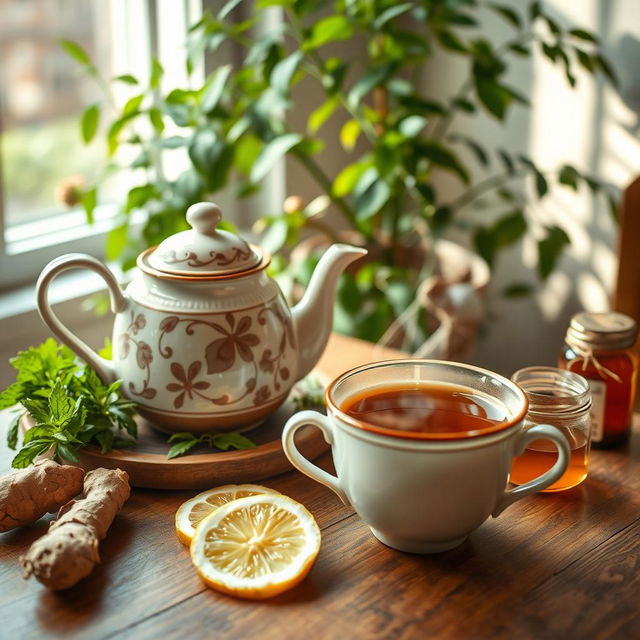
(601, 348)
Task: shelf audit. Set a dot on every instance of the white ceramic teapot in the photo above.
(203, 339)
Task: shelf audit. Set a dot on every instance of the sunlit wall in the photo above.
(593, 127)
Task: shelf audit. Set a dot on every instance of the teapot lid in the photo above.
(204, 250)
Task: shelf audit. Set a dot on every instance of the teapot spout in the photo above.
(313, 315)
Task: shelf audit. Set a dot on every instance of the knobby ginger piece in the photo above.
(68, 552)
(27, 494)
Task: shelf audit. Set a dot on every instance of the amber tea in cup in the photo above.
(563, 399)
(436, 408)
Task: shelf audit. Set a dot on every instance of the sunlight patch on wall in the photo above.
(553, 297)
(592, 293)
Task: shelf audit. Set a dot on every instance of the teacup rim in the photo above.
(422, 436)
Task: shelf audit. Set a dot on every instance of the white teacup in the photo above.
(424, 492)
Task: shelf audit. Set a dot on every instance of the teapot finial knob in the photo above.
(204, 217)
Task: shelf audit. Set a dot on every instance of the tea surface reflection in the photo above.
(425, 408)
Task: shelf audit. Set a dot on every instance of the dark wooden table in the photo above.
(552, 566)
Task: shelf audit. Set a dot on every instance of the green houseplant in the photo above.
(235, 127)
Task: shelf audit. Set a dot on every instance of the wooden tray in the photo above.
(202, 468)
(148, 466)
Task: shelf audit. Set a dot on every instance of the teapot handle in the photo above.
(103, 367)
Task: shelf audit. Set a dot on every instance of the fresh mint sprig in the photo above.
(71, 406)
(224, 441)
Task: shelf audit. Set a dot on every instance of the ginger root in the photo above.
(27, 494)
(68, 552)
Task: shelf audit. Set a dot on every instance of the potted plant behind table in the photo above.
(236, 126)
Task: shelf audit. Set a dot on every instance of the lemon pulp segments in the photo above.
(258, 540)
(211, 502)
(256, 547)
(191, 512)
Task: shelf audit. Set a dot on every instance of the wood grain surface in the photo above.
(563, 565)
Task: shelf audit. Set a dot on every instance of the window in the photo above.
(42, 93)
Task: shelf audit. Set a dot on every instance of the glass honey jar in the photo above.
(601, 348)
(562, 399)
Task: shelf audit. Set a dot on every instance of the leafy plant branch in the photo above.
(397, 139)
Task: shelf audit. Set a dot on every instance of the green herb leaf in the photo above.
(70, 404)
(89, 122)
(156, 74)
(464, 105)
(139, 196)
(126, 78)
(569, 176)
(283, 72)
(11, 395)
(215, 89)
(37, 409)
(67, 453)
(444, 158)
(181, 448)
(535, 10)
(113, 135)
(450, 41)
(76, 52)
(320, 115)
(372, 198)
(389, 14)
(520, 50)
(581, 34)
(347, 179)
(227, 8)
(105, 440)
(12, 432)
(478, 151)
(606, 68)
(411, 126)
(507, 161)
(273, 152)
(494, 97)
(29, 453)
(550, 249)
(61, 407)
(329, 29)
(503, 233)
(89, 200)
(507, 13)
(349, 134)
(542, 186)
(157, 121)
(226, 441)
(373, 77)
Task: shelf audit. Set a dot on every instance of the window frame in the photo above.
(23, 255)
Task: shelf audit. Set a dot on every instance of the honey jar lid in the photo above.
(608, 330)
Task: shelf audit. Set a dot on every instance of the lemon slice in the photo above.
(256, 547)
(191, 512)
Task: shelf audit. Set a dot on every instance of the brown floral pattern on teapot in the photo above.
(235, 340)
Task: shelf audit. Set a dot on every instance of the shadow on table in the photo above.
(17, 541)
(78, 605)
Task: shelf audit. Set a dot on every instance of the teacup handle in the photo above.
(323, 423)
(539, 432)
